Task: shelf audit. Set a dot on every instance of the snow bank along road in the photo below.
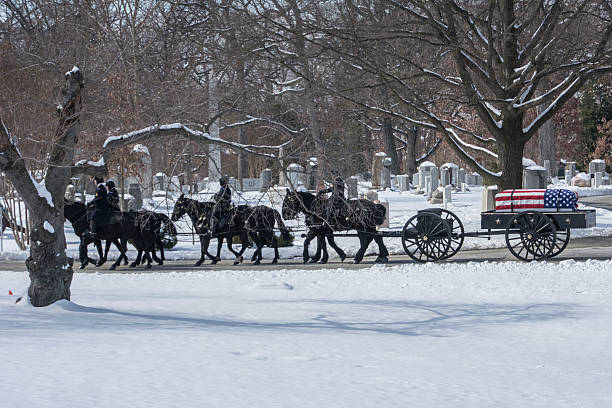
(485, 334)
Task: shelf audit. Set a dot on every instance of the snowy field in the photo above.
(435, 335)
(466, 205)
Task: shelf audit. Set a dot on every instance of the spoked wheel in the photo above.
(563, 237)
(426, 237)
(531, 236)
(457, 231)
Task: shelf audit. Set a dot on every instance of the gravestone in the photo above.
(534, 177)
(437, 196)
(548, 171)
(464, 187)
(385, 174)
(427, 185)
(160, 182)
(184, 189)
(488, 198)
(571, 169)
(201, 186)
(477, 179)
(561, 169)
(134, 191)
(175, 184)
(446, 197)
(415, 180)
(461, 177)
(444, 177)
(597, 165)
(266, 180)
(424, 170)
(311, 173)
(454, 172)
(377, 166)
(402, 182)
(435, 181)
(372, 195)
(470, 180)
(598, 179)
(296, 175)
(351, 187)
(568, 180)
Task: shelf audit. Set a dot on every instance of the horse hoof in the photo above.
(257, 262)
(214, 262)
(313, 260)
(274, 261)
(197, 263)
(82, 266)
(236, 262)
(306, 260)
(133, 265)
(240, 259)
(161, 262)
(147, 266)
(323, 261)
(218, 259)
(356, 261)
(342, 258)
(113, 267)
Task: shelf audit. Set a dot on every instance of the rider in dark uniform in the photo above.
(113, 196)
(223, 203)
(99, 209)
(337, 203)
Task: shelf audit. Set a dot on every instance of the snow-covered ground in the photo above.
(436, 335)
(466, 205)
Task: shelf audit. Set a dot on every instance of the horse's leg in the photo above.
(383, 253)
(149, 241)
(101, 256)
(317, 255)
(122, 251)
(362, 248)
(217, 257)
(332, 243)
(203, 250)
(255, 238)
(275, 246)
(160, 245)
(117, 243)
(83, 258)
(309, 237)
(258, 251)
(325, 257)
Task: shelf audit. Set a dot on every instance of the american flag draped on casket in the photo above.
(537, 200)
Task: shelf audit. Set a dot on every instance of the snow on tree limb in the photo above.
(155, 131)
(90, 168)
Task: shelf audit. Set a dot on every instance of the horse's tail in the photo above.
(380, 212)
(281, 225)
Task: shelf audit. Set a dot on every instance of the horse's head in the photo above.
(291, 206)
(74, 210)
(180, 208)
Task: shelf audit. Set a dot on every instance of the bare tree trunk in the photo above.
(243, 164)
(390, 147)
(510, 155)
(547, 149)
(214, 153)
(411, 164)
(49, 267)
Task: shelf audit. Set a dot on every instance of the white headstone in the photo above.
(534, 177)
(175, 184)
(597, 165)
(372, 195)
(571, 169)
(446, 198)
(385, 174)
(454, 173)
(266, 180)
(402, 182)
(488, 198)
(461, 176)
(435, 181)
(377, 166)
(296, 175)
(427, 185)
(470, 180)
(598, 180)
(415, 180)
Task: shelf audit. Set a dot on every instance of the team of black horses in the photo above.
(252, 224)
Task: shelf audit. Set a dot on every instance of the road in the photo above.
(579, 249)
(604, 201)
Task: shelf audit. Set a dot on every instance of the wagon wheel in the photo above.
(456, 232)
(426, 237)
(531, 236)
(563, 237)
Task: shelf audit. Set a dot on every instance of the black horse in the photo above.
(77, 215)
(256, 223)
(322, 218)
(150, 220)
(123, 227)
(316, 227)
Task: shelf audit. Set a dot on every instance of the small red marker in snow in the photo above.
(10, 293)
